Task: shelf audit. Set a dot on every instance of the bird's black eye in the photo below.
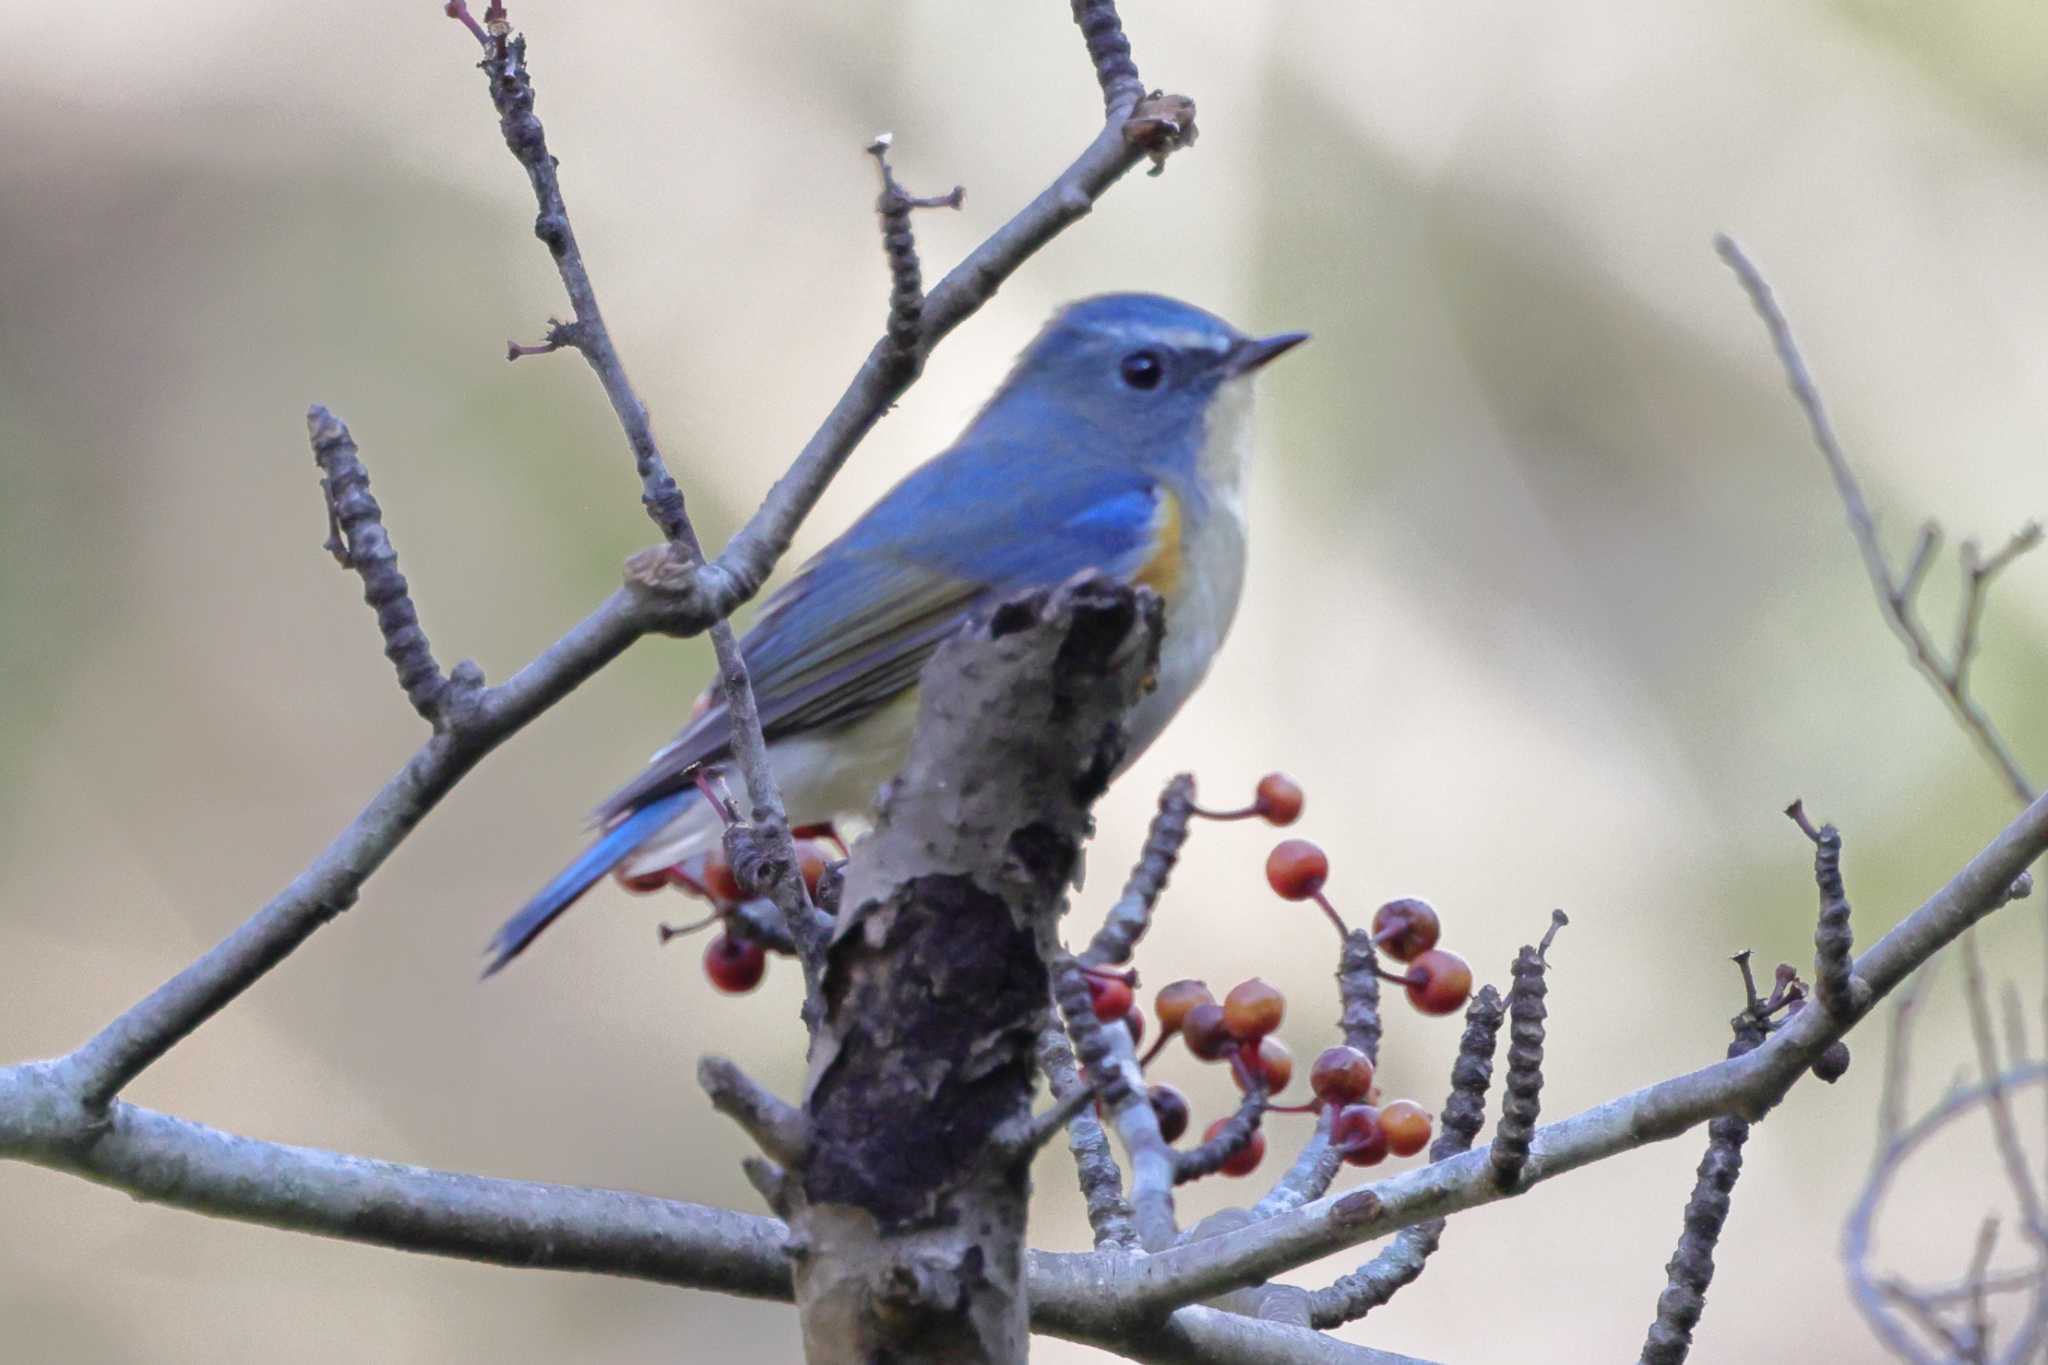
(1142, 370)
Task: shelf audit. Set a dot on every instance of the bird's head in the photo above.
(1138, 377)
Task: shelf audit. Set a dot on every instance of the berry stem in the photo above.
(669, 931)
(1247, 813)
(1343, 929)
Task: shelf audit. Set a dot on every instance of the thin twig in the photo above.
(357, 539)
(1128, 919)
(2004, 1127)
(1748, 1086)
(1102, 1182)
(1401, 1263)
(776, 1126)
(1358, 988)
(1896, 597)
(1231, 1137)
(511, 85)
(1522, 1103)
(1834, 939)
(1315, 1166)
(1690, 1271)
(906, 274)
(1106, 1057)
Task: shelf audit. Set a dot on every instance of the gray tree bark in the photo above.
(908, 1198)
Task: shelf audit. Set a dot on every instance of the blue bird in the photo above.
(1118, 443)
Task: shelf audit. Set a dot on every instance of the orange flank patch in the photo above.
(1162, 571)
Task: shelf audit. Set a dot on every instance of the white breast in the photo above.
(1212, 565)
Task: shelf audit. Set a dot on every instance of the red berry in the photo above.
(1135, 1022)
(1110, 996)
(640, 883)
(1279, 799)
(1296, 869)
(1176, 998)
(1206, 1036)
(1405, 928)
(1406, 1125)
(1439, 982)
(1247, 1158)
(1359, 1134)
(1275, 1064)
(1252, 1010)
(1341, 1075)
(734, 965)
(1170, 1107)
(718, 881)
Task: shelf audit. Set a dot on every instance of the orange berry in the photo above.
(1279, 799)
(1252, 1010)
(1358, 1133)
(1439, 982)
(1275, 1063)
(1405, 928)
(1406, 1125)
(1341, 1075)
(1296, 869)
(1247, 1158)
(1206, 1036)
(718, 881)
(1176, 998)
(1135, 1022)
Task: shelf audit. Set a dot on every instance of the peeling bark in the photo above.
(907, 1212)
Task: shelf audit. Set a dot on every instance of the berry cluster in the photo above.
(1437, 981)
(1241, 1029)
(734, 961)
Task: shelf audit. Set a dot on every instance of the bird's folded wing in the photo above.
(852, 631)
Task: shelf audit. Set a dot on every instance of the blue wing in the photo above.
(851, 632)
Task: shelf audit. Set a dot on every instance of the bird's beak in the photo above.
(1251, 353)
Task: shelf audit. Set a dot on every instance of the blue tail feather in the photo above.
(601, 857)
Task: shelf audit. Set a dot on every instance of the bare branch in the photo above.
(1236, 1132)
(1402, 1262)
(128, 1045)
(511, 85)
(2003, 1124)
(1309, 1177)
(357, 540)
(1875, 1297)
(1896, 598)
(1834, 940)
(525, 1225)
(410, 1208)
(1049, 1123)
(906, 275)
(1746, 1086)
(1102, 1181)
(1131, 916)
(1107, 1055)
(776, 1126)
(1690, 1271)
(1358, 986)
(1522, 1103)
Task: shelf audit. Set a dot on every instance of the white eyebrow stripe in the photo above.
(1184, 339)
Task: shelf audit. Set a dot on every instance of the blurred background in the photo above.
(1551, 601)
